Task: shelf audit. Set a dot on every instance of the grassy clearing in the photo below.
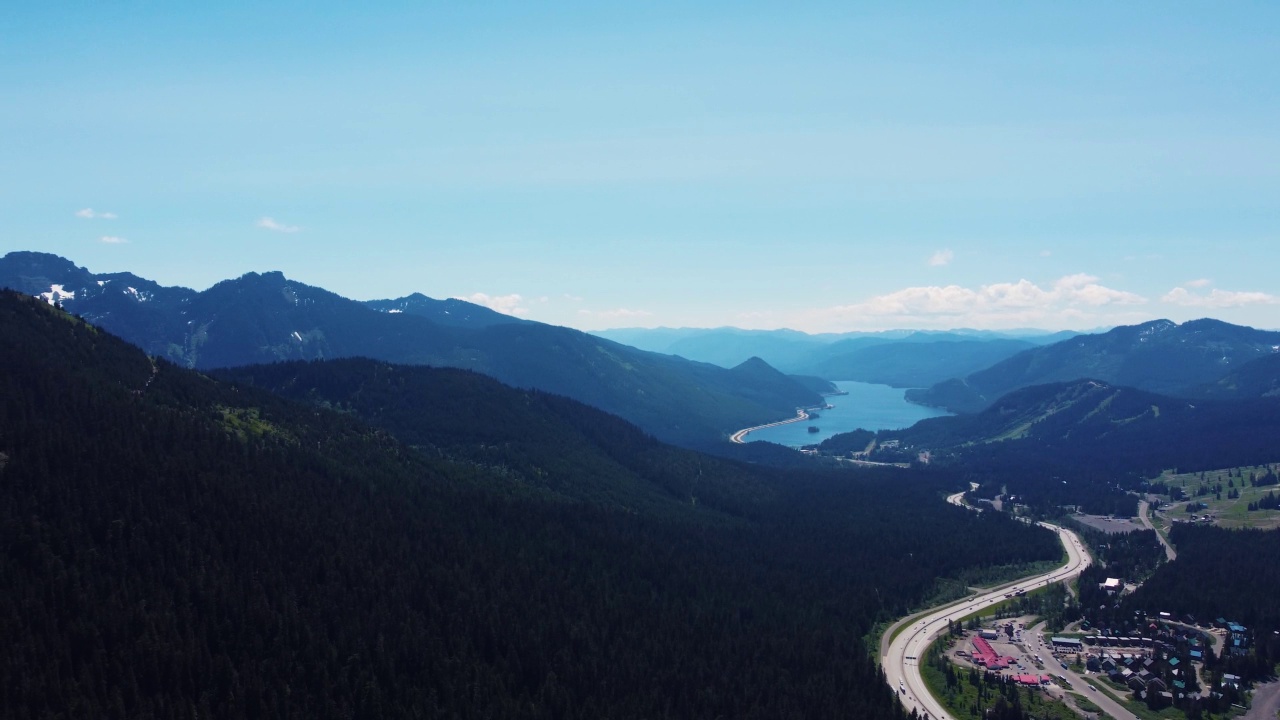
(248, 423)
(1229, 513)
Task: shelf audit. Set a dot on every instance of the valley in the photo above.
(455, 440)
(639, 361)
(550, 552)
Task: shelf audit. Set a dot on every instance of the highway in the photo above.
(738, 436)
(900, 661)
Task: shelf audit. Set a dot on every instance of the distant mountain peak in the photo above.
(450, 311)
(753, 363)
(1155, 326)
(271, 277)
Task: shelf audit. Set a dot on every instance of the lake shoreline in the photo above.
(857, 405)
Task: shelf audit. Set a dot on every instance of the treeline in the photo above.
(176, 547)
(1045, 484)
(1270, 501)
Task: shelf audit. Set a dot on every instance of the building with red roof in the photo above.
(986, 656)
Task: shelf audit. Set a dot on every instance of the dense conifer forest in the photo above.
(1232, 574)
(175, 546)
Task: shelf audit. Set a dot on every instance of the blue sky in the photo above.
(842, 166)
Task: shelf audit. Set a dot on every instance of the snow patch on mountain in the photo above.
(57, 294)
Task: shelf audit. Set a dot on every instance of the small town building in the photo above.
(1065, 643)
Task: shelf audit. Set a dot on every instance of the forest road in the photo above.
(1144, 513)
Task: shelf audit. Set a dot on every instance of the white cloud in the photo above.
(1217, 298)
(1070, 299)
(112, 240)
(1082, 288)
(941, 257)
(91, 214)
(1202, 282)
(506, 304)
(1046, 253)
(268, 223)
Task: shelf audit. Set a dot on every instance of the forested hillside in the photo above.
(175, 546)
(1255, 379)
(540, 444)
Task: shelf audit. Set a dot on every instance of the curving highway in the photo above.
(900, 661)
(739, 437)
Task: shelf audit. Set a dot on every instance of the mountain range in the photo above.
(901, 358)
(266, 317)
(1192, 359)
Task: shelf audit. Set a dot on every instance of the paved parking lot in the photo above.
(1022, 649)
(1109, 524)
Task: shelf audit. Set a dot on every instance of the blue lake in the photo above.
(867, 406)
